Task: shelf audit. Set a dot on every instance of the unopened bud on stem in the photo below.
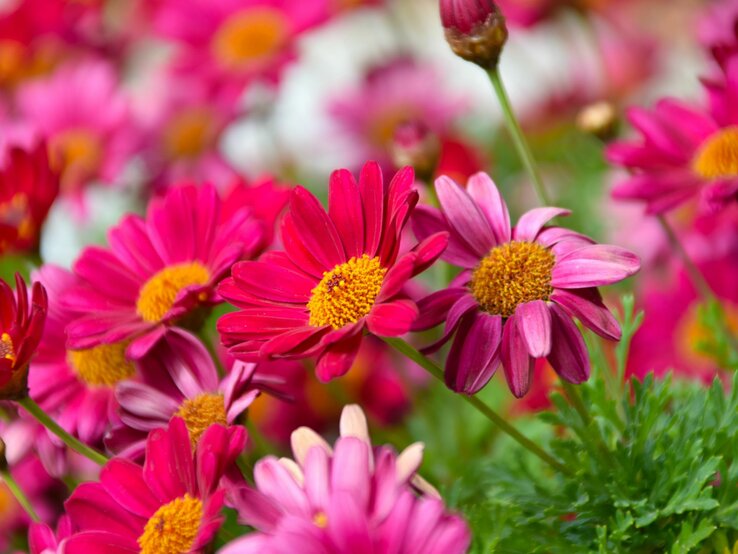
(475, 30)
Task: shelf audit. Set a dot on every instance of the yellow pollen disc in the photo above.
(320, 520)
(512, 274)
(201, 412)
(158, 294)
(173, 527)
(346, 293)
(78, 151)
(718, 156)
(102, 366)
(250, 36)
(6, 347)
(189, 133)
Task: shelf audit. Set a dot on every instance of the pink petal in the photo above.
(428, 221)
(474, 355)
(277, 483)
(338, 358)
(371, 188)
(516, 362)
(531, 222)
(569, 356)
(587, 306)
(464, 216)
(124, 482)
(344, 208)
(534, 323)
(434, 307)
(273, 282)
(592, 266)
(392, 319)
(316, 229)
(489, 200)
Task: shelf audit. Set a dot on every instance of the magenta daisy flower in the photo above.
(519, 290)
(179, 379)
(340, 274)
(683, 151)
(21, 326)
(77, 386)
(171, 505)
(158, 270)
(351, 498)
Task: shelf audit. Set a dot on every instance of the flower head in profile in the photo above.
(520, 289)
(28, 188)
(683, 152)
(179, 379)
(340, 274)
(21, 326)
(77, 386)
(171, 505)
(86, 120)
(349, 498)
(158, 271)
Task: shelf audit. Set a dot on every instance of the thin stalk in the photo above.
(405, 349)
(576, 401)
(43, 418)
(19, 495)
(521, 144)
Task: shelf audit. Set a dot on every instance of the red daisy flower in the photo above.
(340, 273)
(21, 325)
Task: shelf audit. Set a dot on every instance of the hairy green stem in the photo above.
(431, 367)
(43, 418)
(521, 144)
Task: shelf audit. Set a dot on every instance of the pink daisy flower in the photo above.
(21, 326)
(340, 274)
(86, 119)
(171, 505)
(157, 270)
(77, 386)
(350, 498)
(683, 151)
(179, 379)
(400, 92)
(519, 290)
(236, 40)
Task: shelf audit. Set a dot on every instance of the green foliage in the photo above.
(655, 471)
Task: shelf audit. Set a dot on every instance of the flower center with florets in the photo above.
(102, 366)
(189, 133)
(512, 274)
(77, 151)
(158, 294)
(201, 412)
(250, 36)
(173, 527)
(6, 347)
(717, 157)
(346, 293)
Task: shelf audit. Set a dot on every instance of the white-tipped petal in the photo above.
(409, 460)
(353, 423)
(424, 486)
(303, 439)
(291, 466)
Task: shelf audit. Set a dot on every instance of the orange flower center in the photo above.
(693, 339)
(201, 412)
(346, 293)
(6, 347)
(320, 519)
(15, 212)
(189, 134)
(78, 153)
(158, 294)
(249, 37)
(173, 527)
(718, 156)
(102, 366)
(512, 274)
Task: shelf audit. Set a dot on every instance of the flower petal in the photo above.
(592, 266)
(587, 306)
(484, 192)
(531, 222)
(534, 323)
(392, 319)
(474, 355)
(516, 362)
(464, 216)
(569, 356)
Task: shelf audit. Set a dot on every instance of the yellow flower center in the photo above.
(695, 341)
(346, 293)
(250, 36)
(102, 366)
(173, 528)
(158, 294)
(512, 274)
(718, 156)
(77, 152)
(6, 347)
(201, 412)
(320, 520)
(189, 133)
(15, 213)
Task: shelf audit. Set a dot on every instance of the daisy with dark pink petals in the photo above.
(340, 274)
(179, 379)
(350, 498)
(158, 270)
(171, 505)
(519, 291)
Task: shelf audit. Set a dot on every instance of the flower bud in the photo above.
(599, 119)
(475, 30)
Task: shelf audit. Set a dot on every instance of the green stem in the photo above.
(431, 367)
(43, 418)
(19, 495)
(521, 145)
(576, 401)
